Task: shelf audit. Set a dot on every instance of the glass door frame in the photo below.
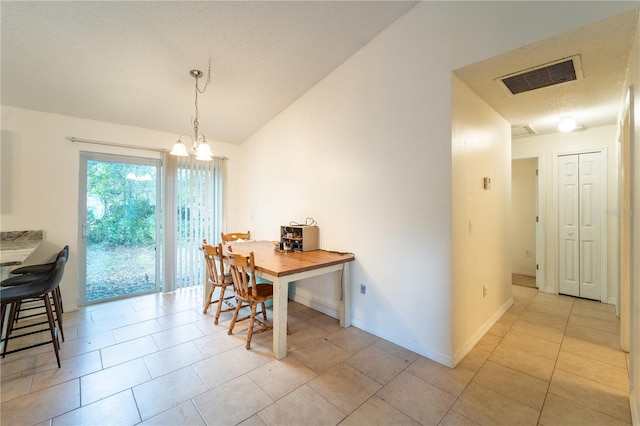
(86, 156)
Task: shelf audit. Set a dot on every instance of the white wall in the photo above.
(40, 175)
(481, 262)
(367, 153)
(523, 216)
(633, 80)
(338, 156)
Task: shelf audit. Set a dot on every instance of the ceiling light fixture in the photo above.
(199, 145)
(567, 125)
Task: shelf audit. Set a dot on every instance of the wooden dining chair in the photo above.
(217, 278)
(235, 236)
(248, 292)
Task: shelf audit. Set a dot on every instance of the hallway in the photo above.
(155, 359)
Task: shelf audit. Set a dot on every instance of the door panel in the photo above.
(590, 284)
(568, 205)
(119, 217)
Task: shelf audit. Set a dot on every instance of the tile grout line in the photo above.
(564, 331)
(457, 397)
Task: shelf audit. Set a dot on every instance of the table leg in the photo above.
(345, 304)
(280, 296)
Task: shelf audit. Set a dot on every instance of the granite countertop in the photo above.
(17, 246)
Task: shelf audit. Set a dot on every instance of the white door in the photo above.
(579, 220)
(568, 221)
(589, 212)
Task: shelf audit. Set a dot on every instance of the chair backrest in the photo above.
(214, 262)
(243, 274)
(235, 236)
(56, 277)
(64, 253)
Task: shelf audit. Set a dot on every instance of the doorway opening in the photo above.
(525, 219)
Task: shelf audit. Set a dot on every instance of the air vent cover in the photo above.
(558, 72)
(521, 130)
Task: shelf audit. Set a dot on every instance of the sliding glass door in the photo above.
(119, 226)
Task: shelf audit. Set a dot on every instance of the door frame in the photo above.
(625, 204)
(82, 215)
(604, 170)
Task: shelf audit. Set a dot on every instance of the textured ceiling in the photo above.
(593, 101)
(128, 62)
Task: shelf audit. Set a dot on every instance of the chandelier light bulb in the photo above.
(204, 151)
(179, 150)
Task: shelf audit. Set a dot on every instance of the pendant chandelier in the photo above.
(199, 146)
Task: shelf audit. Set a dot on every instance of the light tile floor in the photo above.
(157, 360)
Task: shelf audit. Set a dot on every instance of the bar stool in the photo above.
(38, 290)
(40, 272)
(38, 269)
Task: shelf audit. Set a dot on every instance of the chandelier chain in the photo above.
(206, 84)
(195, 120)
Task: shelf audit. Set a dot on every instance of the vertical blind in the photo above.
(193, 213)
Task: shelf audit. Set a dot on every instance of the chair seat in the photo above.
(264, 293)
(21, 292)
(19, 280)
(41, 267)
(32, 269)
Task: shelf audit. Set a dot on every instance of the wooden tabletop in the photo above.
(280, 264)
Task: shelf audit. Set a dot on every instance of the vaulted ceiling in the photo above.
(128, 62)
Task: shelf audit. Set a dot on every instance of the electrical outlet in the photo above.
(484, 291)
(363, 289)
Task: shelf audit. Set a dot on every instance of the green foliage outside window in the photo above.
(124, 204)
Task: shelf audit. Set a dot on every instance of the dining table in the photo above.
(284, 267)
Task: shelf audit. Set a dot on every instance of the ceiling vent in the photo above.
(521, 130)
(551, 74)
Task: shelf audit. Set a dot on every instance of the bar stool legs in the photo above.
(46, 300)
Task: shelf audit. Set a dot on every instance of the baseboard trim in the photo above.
(634, 404)
(389, 336)
(526, 274)
(479, 334)
(314, 305)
